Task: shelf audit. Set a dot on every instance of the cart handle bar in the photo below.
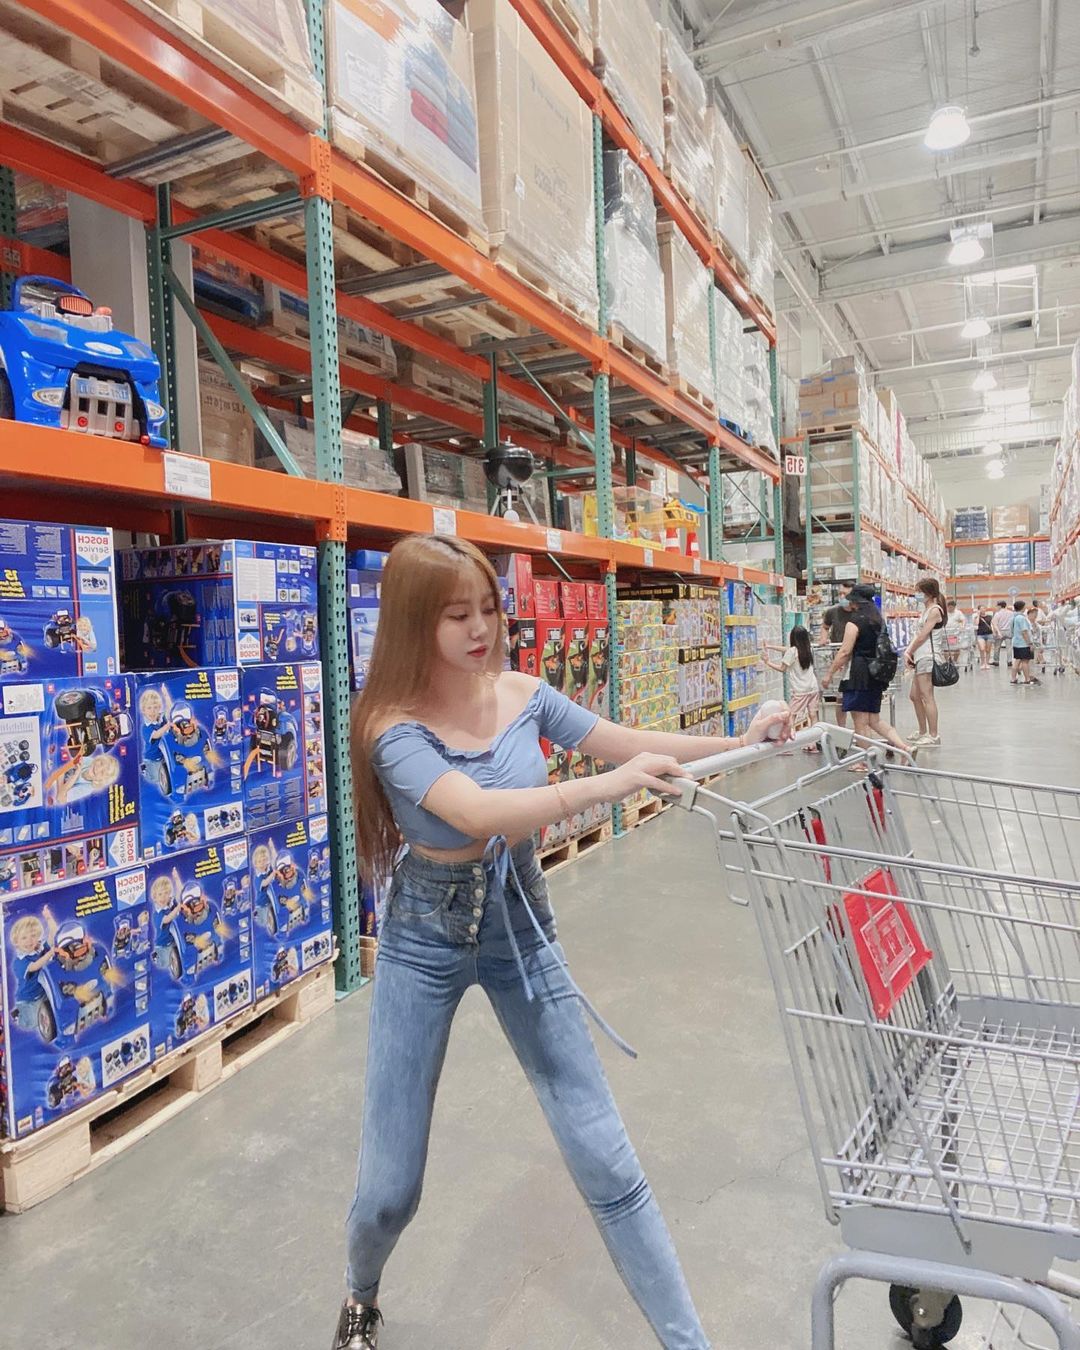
(695, 771)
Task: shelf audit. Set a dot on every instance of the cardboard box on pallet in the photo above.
(627, 41)
(547, 598)
(69, 779)
(536, 156)
(635, 279)
(403, 97)
(191, 752)
(200, 911)
(75, 970)
(288, 315)
(57, 601)
(688, 151)
(365, 463)
(225, 425)
(219, 603)
(284, 758)
(731, 212)
(291, 894)
(687, 300)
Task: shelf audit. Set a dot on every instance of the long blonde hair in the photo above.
(418, 582)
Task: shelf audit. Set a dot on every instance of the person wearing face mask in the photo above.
(862, 694)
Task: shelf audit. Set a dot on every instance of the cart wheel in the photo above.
(901, 1300)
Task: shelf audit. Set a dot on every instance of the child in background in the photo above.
(797, 663)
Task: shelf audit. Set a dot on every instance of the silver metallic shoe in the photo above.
(358, 1328)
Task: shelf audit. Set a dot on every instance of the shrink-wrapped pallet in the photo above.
(535, 158)
(403, 96)
(731, 206)
(730, 392)
(287, 314)
(757, 389)
(688, 150)
(635, 280)
(366, 464)
(687, 296)
(760, 260)
(627, 40)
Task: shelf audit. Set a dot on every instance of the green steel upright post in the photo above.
(714, 357)
(329, 465)
(162, 334)
(856, 518)
(384, 414)
(808, 505)
(778, 486)
(715, 506)
(491, 420)
(9, 224)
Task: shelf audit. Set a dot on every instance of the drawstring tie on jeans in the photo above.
(499, 858)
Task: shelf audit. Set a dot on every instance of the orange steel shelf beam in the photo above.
(22, 259)
(1004, 539)
(1001, 576)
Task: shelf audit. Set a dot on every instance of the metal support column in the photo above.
(491, 419)
(808, 506)
(384, 414)
(9, 225)
(333, 632)
(158, 259)
(778, 486)
(715, 506)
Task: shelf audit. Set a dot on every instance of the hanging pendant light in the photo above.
(948, 129)
(974, 329)
(984, 381)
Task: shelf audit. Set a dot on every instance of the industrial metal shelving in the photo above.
(44, 473)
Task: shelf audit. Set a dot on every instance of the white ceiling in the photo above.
(865, 231)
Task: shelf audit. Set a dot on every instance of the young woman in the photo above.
(797, 663)
(446, 755)
(984, 635)
(926, 647)
(862, 694)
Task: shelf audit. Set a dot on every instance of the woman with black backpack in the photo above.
(872, 667)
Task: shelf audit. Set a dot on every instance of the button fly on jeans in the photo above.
(477, 911)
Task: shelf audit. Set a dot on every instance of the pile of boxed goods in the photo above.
(1042, 556)
(757, 393)
(1011, 557)
(419, 371)
(688, 292)
(970, 522)
(839, 395)
(760, 259)
(444, 478)
(1045, 501)
(745, 502)
(226, 427)
(402, 93)
(688, 159)
(741, 639)
(559, 631)
(635, 279)
(770, 633)
(536, 156)
(627, 42)
(1065, 492)
(731, 208)
(164, 851)
(287, 315)
(648, 669)
(1011, 522)
(366, 464)
(730, 360)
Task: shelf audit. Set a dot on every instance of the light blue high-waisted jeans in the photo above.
(449, 926)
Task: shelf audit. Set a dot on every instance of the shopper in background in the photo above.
(833, 626)
(1023, 639)
(446, 753)
(1001, 624)
(797, 663)
(862, 694)
(984, 635)
(927, 646)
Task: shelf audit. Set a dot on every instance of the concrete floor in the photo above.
(222, 1230)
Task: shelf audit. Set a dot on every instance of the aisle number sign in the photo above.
(795, 466)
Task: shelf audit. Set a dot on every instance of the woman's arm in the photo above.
(843, 656)
(773, 665)
(617, 745)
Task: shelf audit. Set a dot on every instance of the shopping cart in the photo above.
(925, 955)
(960, 644)
(823, 659)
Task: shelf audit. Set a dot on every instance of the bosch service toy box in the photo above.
(200, 913)
(284, 764)
(69, 779)
(76, 972)
(191, 758)
(233, 602)
(291, 896)
(364, 589)
(57, 601)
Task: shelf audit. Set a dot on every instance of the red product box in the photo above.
(577, 660)
(524, 654)
(517, 569)
(546, 597)
(573, 599)
(596, 600)
(599, 667)
(551, 645)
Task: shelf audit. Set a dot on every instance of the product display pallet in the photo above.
(570, 24)
(534, 277)
(737, 264)
(633, 816)
(37, 1167)
(552, 859)
(633, 348)
(691, 391)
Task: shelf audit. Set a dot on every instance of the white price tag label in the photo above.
(742, 574)
(697, 566)
(443, 520)
(554, 540)
(187, 476)
(648, 557)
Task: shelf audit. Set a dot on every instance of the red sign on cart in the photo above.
(889, 946)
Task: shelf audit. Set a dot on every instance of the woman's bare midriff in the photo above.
(470, 853)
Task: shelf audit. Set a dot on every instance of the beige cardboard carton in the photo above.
(627, 40)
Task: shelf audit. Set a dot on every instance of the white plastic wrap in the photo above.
(731, 205)
(635, 279)
(760, 261)
(731, 396)
(400, 76)
(687, 297)
(535, 156)
(757, 389)
(688, 150)
(627, 40)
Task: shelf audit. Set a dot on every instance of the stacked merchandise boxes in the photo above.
(741, 641)
(287, 314)
(757, 393)
(401, 86)
(647, 649)
(688, 157)
(635, 281)
(444, 478)
(770, 633)
(970, 522)
(1065, 494)
(225, 426)
(730, 214)
(536, 156)
(692, 616)
(839, 395)
(1045, 501)
(760, 262)
(363, 595)
(688, 292)
(1011, 521)
(366, 464)
(1042, 556)
(1010, 558)
(730, 360)
(559, 630)
(627, 42)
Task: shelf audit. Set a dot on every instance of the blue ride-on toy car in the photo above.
(62, 365)
(71, 992)
(188, 940)
(282, 904)
(91, 721)
(275, 735)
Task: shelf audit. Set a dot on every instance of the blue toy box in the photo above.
(75, 967)
(284, 762)
(364, 590)
(191, 756)
(232, 602)
(69, 779)
(291, 896)
(57, 601)
(200, 912)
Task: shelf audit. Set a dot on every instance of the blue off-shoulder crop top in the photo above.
(409, 758)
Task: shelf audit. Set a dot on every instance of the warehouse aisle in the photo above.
(222, 1231)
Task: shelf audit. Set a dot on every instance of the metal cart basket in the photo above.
(922, 932)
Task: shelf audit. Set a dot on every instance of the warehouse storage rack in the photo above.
(48, 474)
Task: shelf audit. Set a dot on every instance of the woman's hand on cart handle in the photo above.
(647, 770)
(774, 725)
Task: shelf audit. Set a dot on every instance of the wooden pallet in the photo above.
(633, 816)
(569, 22)
(630, 345)
(737, 264)
(558, 855)
(534, 277)
(705, 401)
(835, 429)
(37, 1167)
(263, 47)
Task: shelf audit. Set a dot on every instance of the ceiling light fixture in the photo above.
(995, 470)
(966, 250)
(984, 381)
(992, 448)
(975, 328)
(948, 128)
